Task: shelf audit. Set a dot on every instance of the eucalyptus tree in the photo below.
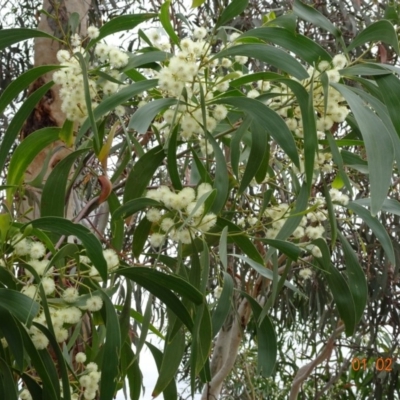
(228, 164)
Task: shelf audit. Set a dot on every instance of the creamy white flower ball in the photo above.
(252, 94)
(80, 357)
(220, 112)
(339, 61)
(93, 32)
(226, 63)
(333, 75)
(153, 215)
(25, 395)
(40, 341)
(48, 285)
(111, 258)
(305, 273)
(63, 56)
(156, 239)
(94, 303)
(37, 250)
(323, 66)
(199, 33)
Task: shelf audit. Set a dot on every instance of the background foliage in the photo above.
(257, 164)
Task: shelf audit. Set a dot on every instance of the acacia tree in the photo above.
(229, 183)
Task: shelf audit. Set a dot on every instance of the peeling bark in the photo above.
(48, 112)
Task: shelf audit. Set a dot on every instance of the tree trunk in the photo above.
(48, 112)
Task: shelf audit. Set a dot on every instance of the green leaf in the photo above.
(88, 101)
(22, 307)
(54, 191)
(224, 305)
(112, 351)
(140, 236)
(160, 285)
(223, 246)
(383, 114)
(331, 216)
(202, 338)
(61, 364)
(302, 46)
(142, 118)
(172, 160)
(142, 172)
(365, 69)
(197, 3)
(379, 31)
(265, 272)
(266, 338)
(165, 20)
(235, 145)
(240, 239)
(133, 206)
(146, 58)
(9, 37)
(10, 390)
(221, 180)
(269, 119)
(315, 17)
(67, 133)
(10, 329)
(390, 86)
(18, 121)
(173, 353)
(110, 102)
(379, 148)
(268, 54)
(172, 282)
(287, 21)
(337, 158)
(294, 219)
(389, 205)
(117, 226)
(259, 147)
(130, 365)
(139, 318)
(34, 388)
(5, 223)
(170, 392)
(73, 22)
(356, 278)
(290, 249)
(233, 9)
(25, 153)
(121, 23)
(339, 288)
(45, 369)
(22, 82)
(65, 227)
(376, 227)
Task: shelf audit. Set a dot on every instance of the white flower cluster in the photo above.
(307, 227)
(181, 206)
(339, 197)
(193, 73)
(305, 273)
(111, 258)
(71, 79)
(61, 319)
(90, 380)
(68, 313)
(285, 104)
